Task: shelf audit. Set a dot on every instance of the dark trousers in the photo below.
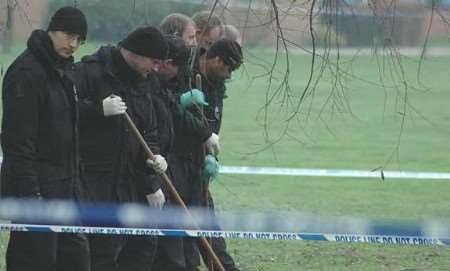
(138, 251)
(185, 175)
(117, 252)
(170, 256)
(121, 252)
(105, 251)
(39, 251)
(138, 254)
(218, 244)
(36, 251)
(180, 253)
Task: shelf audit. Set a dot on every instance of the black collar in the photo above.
(124, 71)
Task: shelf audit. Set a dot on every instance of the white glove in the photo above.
(212, 144)
(113, 105)
(159, 165)
(156, 199)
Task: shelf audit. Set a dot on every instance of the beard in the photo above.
(214, 78)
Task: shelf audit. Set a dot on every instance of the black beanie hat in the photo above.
(229, 51)
(69, 19)
(178, 51)
(146, 41)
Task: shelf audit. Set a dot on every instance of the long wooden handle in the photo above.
(173, 191)
(198, 85)
(198, 81)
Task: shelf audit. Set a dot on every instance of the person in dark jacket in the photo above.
(175, 120)
(39, 141)
(215, 66)
(114, 81)
(167, 112)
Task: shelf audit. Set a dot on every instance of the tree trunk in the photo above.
(7, 36)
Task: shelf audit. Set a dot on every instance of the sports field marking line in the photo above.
(334, 173)
(250, 235)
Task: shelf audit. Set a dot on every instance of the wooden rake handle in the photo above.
(205, 188)
(173, 191)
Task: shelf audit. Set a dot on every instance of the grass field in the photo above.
(364, 126)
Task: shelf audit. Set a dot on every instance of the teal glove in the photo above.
(210, 169)
(189, 97)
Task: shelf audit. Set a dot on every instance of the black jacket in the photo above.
(107, 145)
(214, 91)
(214, 96)
(39, 123)
(163, 104)
(178, 127)
(173, 121)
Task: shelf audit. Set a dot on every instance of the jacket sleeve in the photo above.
(89, 103)
(150, 132)
(186, 121)
(22, 104)
(151, 182)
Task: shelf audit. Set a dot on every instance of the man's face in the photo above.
(189, 35)
(145, 65)
(169, 69)
(217, 70)
(64, 43)
(205, 40)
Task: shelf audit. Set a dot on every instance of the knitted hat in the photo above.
(69, 19)
(146, 41)
(178, 51)
(229, 51)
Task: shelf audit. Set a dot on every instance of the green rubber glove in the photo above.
(189, 97)
(211, 168)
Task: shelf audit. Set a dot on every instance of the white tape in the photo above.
(333, 173)
(286, 236)
(349, 173)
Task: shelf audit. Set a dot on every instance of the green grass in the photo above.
(288, 256)
(366, 135)
(407, 199)
(363, 136)
(3, 244)
(358, 128)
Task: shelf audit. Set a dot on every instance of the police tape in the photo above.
(334, 173)
(135, 219)
(280, 236)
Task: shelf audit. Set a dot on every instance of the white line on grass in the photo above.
(348, 173)
(333, 173)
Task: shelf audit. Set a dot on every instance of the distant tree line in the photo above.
(111, 20)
